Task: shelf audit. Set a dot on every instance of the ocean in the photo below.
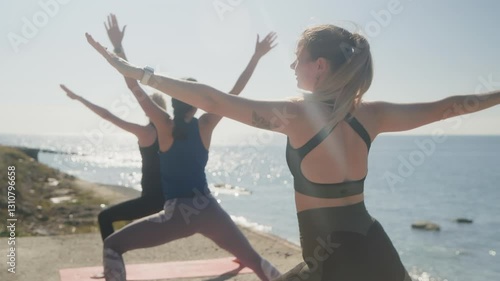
(410, 178)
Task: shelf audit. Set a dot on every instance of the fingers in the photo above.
(113, 59)
(271, 37)
(268, 36)
(110, 22)
(115, 21)
(63, 87)
(89, 39)
(68, 91)
(92, 42)
(96, 45)
(123, 30)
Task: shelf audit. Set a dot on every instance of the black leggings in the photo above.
(350, 256)
(129, 210)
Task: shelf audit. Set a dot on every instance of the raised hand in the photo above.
(123, 66)
(264, 46)
(114, 33)
(69, 93)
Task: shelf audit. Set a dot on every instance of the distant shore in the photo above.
(57, 225)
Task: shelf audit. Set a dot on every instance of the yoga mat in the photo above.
(165, 270)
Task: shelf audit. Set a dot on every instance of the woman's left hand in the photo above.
(69, 93)
(123, 66)
(114, 33)
(266, 45)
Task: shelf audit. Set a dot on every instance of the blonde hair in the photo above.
(158, 99)
(350, 64)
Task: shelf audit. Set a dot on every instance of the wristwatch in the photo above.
(148, 72)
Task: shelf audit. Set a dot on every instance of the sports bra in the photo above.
(294, 157)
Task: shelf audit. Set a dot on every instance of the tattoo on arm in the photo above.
(261, 122)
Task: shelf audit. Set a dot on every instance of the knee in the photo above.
(103, 216)
(111, 244)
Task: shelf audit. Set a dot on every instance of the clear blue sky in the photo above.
(426, 51)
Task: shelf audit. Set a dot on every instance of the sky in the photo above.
(422, 50)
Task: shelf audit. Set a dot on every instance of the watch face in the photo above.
(148, 71)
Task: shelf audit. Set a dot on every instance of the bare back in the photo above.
(341, 157)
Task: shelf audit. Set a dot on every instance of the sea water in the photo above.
(410, 178)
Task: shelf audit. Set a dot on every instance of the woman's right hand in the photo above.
(123, 66)
(114, 33)
(69, 93)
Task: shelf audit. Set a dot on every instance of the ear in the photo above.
(322, 65)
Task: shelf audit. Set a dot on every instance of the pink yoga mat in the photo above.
(165, 270)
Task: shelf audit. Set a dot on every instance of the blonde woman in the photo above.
(329, 134)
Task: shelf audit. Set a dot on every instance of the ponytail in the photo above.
(351, 66)
(180, 126)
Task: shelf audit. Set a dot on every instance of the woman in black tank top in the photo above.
(329, 132)
(151, 199)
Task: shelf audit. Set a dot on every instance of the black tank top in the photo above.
(151, 178)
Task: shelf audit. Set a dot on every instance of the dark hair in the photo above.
(180, 110)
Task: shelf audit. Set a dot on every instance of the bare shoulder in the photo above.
(367, 113)
(147, 135)
(296, 105)
(206, 118)
(295, 111)
(368, 108)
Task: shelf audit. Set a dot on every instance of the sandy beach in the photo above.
(40, 255)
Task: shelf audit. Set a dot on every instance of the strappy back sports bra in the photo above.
(294, 157)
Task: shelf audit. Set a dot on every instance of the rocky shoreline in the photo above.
(49, 202)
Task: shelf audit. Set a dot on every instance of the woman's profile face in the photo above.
(305, 70)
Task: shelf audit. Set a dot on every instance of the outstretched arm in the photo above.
(105, 114)
(268, 115)
(152, 110)
(261, 49)
(392, 117)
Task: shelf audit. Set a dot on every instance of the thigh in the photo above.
(132, 209)
(150, 231)
(218, 226)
